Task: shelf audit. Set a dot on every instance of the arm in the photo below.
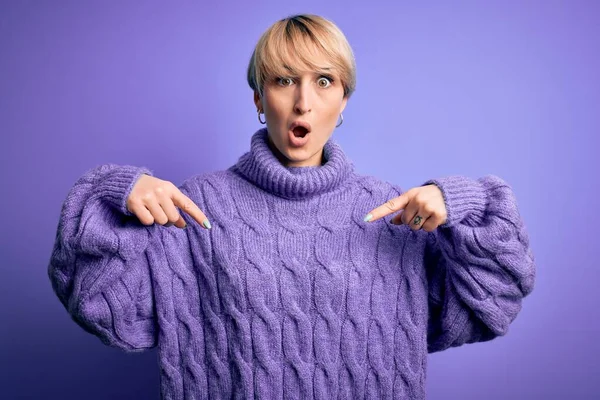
(99, 268)
(479, 264)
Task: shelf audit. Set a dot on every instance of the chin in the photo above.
(298, 155)
(295, 155)
(302, 156)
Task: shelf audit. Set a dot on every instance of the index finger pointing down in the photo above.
(189, 207)
(390, 206)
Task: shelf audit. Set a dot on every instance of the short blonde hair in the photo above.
(291, 41)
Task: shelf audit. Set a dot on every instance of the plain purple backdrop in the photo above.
(510, 88)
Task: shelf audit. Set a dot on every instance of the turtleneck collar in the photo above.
(261, 167)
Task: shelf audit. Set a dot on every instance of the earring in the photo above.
(341, 120)
(259, 120)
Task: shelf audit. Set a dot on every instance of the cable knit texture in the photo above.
(291, 294)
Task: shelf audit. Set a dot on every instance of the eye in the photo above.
(324, 81)
(284, 81)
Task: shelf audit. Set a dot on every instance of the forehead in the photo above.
(304, 63)
(300, 54)
(306, 70)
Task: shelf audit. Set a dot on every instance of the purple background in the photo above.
(510, 88)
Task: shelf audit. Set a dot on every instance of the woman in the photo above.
(290, 290)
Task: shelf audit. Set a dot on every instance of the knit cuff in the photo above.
(465, 199)
(116, 186)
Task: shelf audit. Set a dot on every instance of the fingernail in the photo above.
(368, 217)
(206, 224)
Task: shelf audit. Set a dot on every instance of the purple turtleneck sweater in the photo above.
(291, 294)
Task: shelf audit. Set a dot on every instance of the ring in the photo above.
(417, 220)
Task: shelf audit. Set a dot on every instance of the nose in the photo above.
(303, 103)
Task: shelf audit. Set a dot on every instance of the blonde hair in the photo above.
(291, 42)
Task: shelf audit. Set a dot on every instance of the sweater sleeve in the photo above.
(99, 267)
(479, 265)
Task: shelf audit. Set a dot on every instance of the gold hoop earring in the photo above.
(259, 120)
(341, 121)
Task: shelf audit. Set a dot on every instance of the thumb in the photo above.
(397, 219)
(180, 223)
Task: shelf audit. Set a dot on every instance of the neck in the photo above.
(262, 167)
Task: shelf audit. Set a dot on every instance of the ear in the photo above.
(344, 102)
(257, 101)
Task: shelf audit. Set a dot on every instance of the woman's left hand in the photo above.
(423, 207)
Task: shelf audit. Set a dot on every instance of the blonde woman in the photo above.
(297, 286)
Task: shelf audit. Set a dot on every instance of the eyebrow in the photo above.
(317, 70)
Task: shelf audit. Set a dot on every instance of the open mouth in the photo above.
(300, 131)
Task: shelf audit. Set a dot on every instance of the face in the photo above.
(314, 99)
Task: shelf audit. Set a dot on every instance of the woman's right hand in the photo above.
(155, 200)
